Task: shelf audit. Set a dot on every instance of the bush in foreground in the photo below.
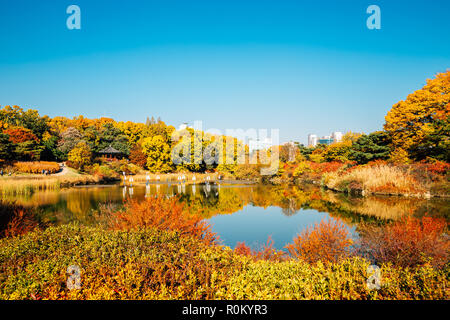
(408, 242)
(163, 214)
(156, 264)
(327, 241)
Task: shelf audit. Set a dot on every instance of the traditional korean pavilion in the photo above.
(110, 153)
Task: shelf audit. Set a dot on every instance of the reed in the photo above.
(37, 167)
(26, 186)
(382, 179)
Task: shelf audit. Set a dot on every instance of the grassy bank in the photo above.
(156, 264)
(27, 184)
(383, 179)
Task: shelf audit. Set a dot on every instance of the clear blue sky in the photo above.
(300, 66)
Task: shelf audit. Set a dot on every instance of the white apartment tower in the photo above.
(312, 140)
(337, 136)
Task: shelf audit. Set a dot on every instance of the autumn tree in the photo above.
(137, 156)
(26, 143)
(20, 134)
(80, 156)
(339, 151)
(419, 124)
(16, 117)
(69, 139)
(158, 153)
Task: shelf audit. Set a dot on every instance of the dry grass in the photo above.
(382, 179)
(30, 184)
(37, 167)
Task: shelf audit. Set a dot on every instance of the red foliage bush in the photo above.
(326, 167)
(267, 252)
(327, 241)
(377, 163)
(408, 242)
(439, 167)
(161, 213)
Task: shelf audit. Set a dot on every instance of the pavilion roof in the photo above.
(109, 150)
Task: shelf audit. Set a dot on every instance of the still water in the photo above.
(236, 213)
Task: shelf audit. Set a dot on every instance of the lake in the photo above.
(236, 213)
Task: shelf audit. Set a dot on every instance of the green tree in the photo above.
(6, 147)
(435, 143)
(114, 137)
(28, 150)
(51, 151)
(375, 146)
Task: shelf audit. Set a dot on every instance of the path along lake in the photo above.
(236, 213)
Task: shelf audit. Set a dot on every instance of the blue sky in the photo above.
(300, 66)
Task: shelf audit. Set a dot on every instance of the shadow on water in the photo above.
(236, 212)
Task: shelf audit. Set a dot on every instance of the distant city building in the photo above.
(313, 140)
(325, 140)
(254, 145)
(337, 136)
(183, 126)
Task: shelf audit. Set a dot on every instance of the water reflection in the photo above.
(257, 210)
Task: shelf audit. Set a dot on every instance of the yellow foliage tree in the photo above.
(80, 156)
(158, 154)
(412, 121)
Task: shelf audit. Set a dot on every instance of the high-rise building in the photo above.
(337, 136)
(312, 140)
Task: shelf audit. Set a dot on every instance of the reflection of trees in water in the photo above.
(291, 209)
(79, 203)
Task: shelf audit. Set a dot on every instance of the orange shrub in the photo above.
(439, 167)
(161, 213)
(267, 252)
(325, 167)
(327, 241)
(36, 167)
(407, 242)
